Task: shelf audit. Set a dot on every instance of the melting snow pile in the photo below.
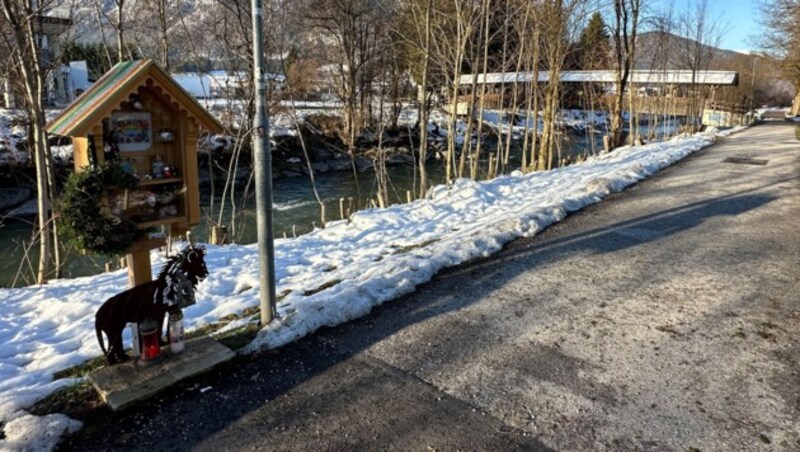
(40, 433)
(328, 276)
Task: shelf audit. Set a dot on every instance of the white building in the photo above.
(218, 83)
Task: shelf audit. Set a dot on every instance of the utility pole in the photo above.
(753, 89)
(262, 159)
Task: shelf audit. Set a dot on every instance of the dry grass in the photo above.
(326, 285)
(73, 400)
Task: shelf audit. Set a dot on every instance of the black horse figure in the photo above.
(173, 289)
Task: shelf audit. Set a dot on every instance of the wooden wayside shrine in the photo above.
(138, 114)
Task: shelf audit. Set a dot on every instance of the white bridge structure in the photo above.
(663, 92)
(637, 77)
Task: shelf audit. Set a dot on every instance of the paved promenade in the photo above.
(666, 317)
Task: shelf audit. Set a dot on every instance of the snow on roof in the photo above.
(198, 85)
(227, 77)
(222, 74)
(670, 77)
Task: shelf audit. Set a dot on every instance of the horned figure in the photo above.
(172, 290)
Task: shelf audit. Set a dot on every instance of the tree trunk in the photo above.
(466, 146)
(120, 31)
(423, 108)
(473, 169)
(551, 104)
(626, 16)
(43, 204)
(534, 157)
(51, 185)
(164, 44)
(26, 56)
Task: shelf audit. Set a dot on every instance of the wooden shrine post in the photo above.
(139, 270)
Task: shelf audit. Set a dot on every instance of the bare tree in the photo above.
(151, 26)
(454, 23)
(661, 125)
(558, 19)
(425, 103)
(119, 25)
(415, 31)
(356, 29)
(520, 30)
(161, 12)
(625, 27)
(530, 148)
(475, 56)
(101, 19)
(23, 46)
(703, 35)
(781, 18)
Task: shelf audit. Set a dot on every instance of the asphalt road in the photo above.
(664, 318)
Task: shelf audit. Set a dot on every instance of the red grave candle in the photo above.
(149, 334)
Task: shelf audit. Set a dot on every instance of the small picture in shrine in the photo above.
(132, 131)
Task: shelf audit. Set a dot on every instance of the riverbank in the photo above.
(330, 275)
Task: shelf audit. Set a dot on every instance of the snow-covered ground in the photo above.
(11, 135)
(772, 113)
(329, 276)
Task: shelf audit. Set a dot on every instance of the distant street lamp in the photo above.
(753, 89)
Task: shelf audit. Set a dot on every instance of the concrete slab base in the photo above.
(124, 384)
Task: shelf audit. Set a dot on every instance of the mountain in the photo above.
(657, 49)
(93, 19)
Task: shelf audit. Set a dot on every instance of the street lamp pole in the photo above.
(753, 88)
(262, 160)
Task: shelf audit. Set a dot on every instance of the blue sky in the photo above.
(741, 17)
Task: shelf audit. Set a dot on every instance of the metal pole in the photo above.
(262, 159)
(753, 90)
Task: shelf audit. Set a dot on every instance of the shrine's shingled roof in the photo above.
(113, 88)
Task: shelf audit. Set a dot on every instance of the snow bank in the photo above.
(382, 254)
(328, 276)
(37, 433)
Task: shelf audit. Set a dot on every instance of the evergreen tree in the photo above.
(593, 47)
